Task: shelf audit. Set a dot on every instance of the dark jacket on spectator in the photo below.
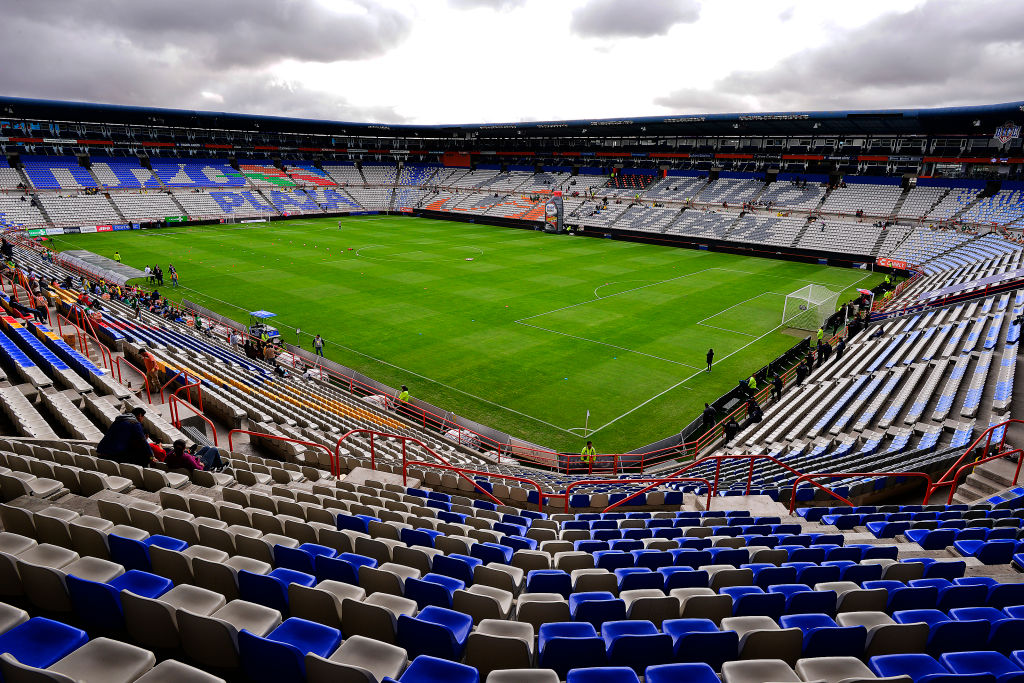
(125, 441)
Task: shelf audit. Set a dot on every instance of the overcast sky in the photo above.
(467, 61)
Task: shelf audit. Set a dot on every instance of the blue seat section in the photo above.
(427, 669)
(281, 654)
(98, 604)
(14, 354)
(54, 172)
(196, 173)
(72, 357)
(435, 631)
(567, 645)
(40, 642)
(122, 172)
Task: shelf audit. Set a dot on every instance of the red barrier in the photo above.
(956, 477)
(173, 401)
(463, 472)
(145, 378)
(274, 437)
(405, 440)
(657, 481)
(955, 469)
(837, 475)
(174, 395)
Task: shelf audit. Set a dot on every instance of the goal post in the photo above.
(809, 307)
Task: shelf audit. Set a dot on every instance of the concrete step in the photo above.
(979, 481)
(968, 493)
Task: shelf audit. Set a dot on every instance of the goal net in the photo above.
(809, 307)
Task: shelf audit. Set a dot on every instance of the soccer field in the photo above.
(517, 329)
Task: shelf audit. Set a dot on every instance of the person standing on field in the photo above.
(318, 345)
(117, 256)
(711, 357)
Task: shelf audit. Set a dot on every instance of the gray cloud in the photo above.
(640, 19)
(233, 32)
(787, 14)
(162, 66)
(500, 5)
(941, 53)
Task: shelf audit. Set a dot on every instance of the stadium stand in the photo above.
(291, 564)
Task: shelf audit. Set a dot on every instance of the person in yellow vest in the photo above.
(117, 256)
(589, 454)
(820, 335)
(752, 385)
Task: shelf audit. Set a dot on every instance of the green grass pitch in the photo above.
(527, 336)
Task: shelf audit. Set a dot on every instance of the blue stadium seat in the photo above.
(751, 601)
(432, 589)
(457, 566)
(301, 559)
(989, 552)
(700, 640)
(133, 554)
(903, 597)
(280, 656)
(951, 596)
(921, 668)
(945, 634)
(40, 642)
(596, 607)
(800, 599)
(604, 674)
(684, 577)
(635, 644)
(1005, 634)
(98, 604)
(491, 552)
(549, 581)
(271, 590)
(566, 645)
(673, 673)
(823, 637)
(634, 578)
(426, 669)
(983, 662)
(435, 631)
(342, 567)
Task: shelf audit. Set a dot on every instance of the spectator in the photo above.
(180, 458)
(732, 428)
(125, 440)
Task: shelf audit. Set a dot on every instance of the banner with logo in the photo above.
(104, 228)
(72, 231)
(891, 263)
(90, 228)
(175, 219)
(55, 231)
(39, 232)
(1006, 132)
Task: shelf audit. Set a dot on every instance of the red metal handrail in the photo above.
(179, 373)
(90, 331)
(199, 390)
(334, 470)
(463, 472)
(954, 468)
(956, 478)
(405, 440)
(145, 377)
(840, 475)
(172, 403)
(718, 470)
(657, 481)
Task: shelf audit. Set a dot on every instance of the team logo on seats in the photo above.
(1008, 131)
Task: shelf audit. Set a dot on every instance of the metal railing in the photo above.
(172, 404)
(274, 437)
(462, 471)
(657, 482)
(840, 475)
(951, 476)
(145, 377)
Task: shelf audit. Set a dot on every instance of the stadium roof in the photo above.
(973, 120)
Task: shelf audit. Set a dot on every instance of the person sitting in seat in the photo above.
(125, 440)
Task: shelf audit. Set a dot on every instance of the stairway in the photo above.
(899, 203)
(985, 481)
(117, 210)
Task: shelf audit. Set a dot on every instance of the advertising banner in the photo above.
(73, 231)
(55, 231)
(891, 263)
(91, 228)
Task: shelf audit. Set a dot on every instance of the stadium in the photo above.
(691, 397)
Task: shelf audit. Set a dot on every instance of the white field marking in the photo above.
(725, 329)
(683, 381)
(407, 371)
(395, 257)
(738, 304)
(615, 282)
(599, 298)
(614, 346)
(795, 279)
(699, 372)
